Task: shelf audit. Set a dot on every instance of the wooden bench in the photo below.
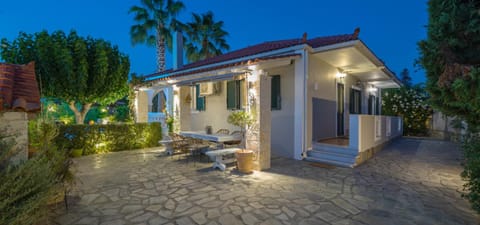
(222, 157)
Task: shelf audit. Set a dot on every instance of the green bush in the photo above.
(95, 139)
(410, 103)
(471, 172)
(27, 188)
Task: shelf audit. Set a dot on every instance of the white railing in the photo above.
(368, 131)
(156, 117)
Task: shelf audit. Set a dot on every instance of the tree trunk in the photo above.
(160, 51)
(205, 48)
(80, 115)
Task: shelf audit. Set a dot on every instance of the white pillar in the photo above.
(299, 115)
(259, 139)
(141, 107)
(169, 99)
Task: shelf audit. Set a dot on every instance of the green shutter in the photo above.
(275, 97)
(231, 94)
(200, 100)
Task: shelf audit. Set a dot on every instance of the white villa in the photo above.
(316, 99)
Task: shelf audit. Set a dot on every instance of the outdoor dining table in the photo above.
(219, 138)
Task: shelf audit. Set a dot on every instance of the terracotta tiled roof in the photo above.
(18, 88)
(262, 48)
(237, 63)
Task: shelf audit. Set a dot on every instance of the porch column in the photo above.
(258, 139)
(299, 115)
(169, 99)
(141, 107)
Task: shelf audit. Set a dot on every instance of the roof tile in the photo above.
(18, 88)
(262, 48)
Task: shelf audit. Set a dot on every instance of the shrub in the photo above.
(411, 105)
(26, 188)
(471, 171)
(109, 137)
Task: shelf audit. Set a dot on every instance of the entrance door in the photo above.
(340, 109)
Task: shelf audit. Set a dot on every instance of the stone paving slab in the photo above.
(412, 181)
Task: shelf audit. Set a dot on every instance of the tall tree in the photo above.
(405, 78)
(450, 56)
(80, 71)
(205, 37)
(155, 19)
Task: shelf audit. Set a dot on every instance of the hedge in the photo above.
(93, 139)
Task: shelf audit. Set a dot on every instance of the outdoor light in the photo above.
(341, 75)
(373, 89)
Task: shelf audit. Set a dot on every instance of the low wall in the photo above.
(15, 125)
(369, 133)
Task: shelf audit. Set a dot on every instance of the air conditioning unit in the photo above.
(206, 89)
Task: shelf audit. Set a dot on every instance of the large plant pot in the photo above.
(244, 161)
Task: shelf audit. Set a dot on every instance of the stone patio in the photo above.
(412, 181)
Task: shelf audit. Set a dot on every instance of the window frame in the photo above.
(237, 95)
(278, 94)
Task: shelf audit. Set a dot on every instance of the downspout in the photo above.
(305, 103)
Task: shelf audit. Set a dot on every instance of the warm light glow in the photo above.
(252, 92)
(341, 75)
(373, 89)
(100, 145)
(171, 81)
(175, 87)
(252, 77)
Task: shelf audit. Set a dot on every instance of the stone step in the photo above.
(334, 149)
(346, 158)
(330, 162)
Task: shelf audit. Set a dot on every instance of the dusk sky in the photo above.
(390, 28)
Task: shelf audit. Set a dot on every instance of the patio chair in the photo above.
(195, 149)
(179, 143)
(236, 133)
(223, 131)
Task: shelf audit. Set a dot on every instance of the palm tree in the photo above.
(155, 21)
(205, 37)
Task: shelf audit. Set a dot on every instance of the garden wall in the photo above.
(15, 126)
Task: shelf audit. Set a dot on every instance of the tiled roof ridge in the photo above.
(266, 46)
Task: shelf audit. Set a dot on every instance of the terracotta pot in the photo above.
(244, 161)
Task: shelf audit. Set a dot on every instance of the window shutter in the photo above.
(276, 97)
(231, 98)
(200, 100)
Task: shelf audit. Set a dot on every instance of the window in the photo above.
(199, 101)
(355, 101)
(276, 103)
(234, 93)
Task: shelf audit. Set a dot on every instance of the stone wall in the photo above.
(15, 125)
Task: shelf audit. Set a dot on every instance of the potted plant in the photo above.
(244, 120)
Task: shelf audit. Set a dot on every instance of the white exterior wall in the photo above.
(368, 131)
(215, 115)
(322, 85)
(282, 120)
